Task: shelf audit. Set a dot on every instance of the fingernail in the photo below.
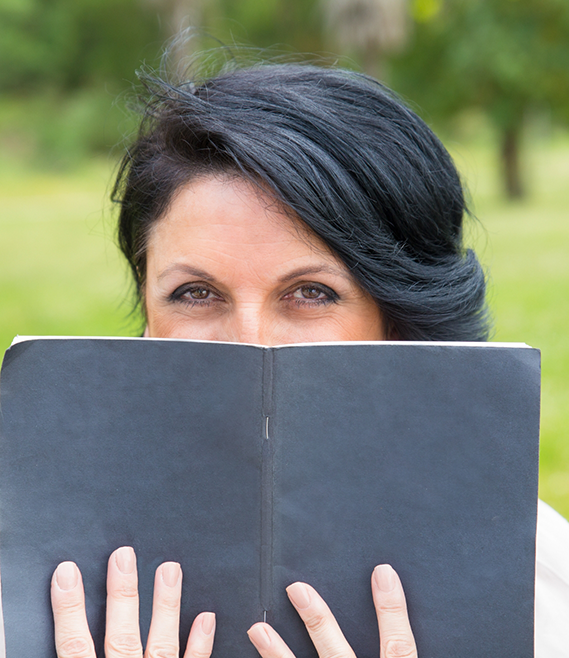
(67, 575)
(208, 623)
(171, 573)
(125, 559)
(385, 577)
(299, 594)
(259, 637)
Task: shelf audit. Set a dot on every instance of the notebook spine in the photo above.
(266, 576)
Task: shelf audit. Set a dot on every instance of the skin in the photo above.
(225, 263)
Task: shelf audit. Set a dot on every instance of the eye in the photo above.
(312, 294)
(199, 292)
(195, 294)
(309, 292)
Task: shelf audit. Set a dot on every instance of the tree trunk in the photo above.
(373, 29)
(374, 63)
(511, 165)
(179, 16)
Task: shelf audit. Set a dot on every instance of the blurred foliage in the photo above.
(504, 57)
(66, 45)
(501, 56)
(64, 62)
(425, 10)
(293, 25)
(53, 131)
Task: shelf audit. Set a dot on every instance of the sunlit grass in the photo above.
(59, 270)
(61, 274)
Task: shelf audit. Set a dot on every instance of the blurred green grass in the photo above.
(60, 273)
(59, 270)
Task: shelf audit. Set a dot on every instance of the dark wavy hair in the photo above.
(341, 151)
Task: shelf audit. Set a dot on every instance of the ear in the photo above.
(145, 334)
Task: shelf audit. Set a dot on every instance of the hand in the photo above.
(396, 637)
(122, 638)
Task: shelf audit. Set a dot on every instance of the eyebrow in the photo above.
(186, 269)
(317, 269)
(295, 274)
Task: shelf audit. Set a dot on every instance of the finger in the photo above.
(320, 623)
(72, 637)
(122, 639)
(268, 642)
(163, 637)
(200, 641)
(395, 635)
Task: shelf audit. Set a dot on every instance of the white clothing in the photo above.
(551, 584)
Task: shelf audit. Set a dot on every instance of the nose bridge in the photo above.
(250, 323)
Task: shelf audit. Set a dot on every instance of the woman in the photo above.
(273, 205)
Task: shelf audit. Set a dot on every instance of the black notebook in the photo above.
(256, 467)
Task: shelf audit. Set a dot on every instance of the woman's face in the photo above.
(226, 264)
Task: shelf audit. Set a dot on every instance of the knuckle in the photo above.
(392, 607)
(69, 605)
(316, 624)
(74, 647)
(200, 652)
(126, 590)
(126, 645)
(400, 649)
(169, 604)
(163, 651)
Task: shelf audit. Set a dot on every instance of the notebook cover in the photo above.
(255, 467)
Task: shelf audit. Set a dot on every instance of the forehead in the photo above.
(231, 216)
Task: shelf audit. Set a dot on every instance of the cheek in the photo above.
(362, 321)
(337, 327)
(159, 326)
(361, 327)
(174, 327)
(160, 323)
